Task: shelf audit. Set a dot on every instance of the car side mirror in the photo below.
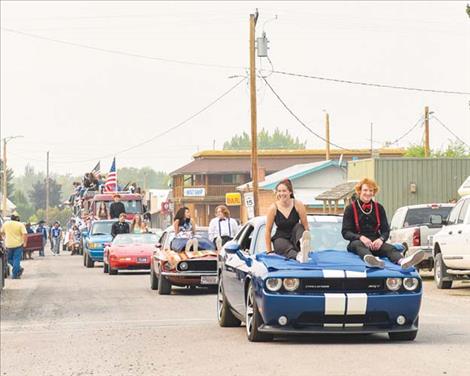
(158, 245)
(231, 247)
(436, 219)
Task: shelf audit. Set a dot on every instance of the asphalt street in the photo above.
(63, 319)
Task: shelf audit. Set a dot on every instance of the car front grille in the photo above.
(200, 266)
(342, 285)
(378, 318)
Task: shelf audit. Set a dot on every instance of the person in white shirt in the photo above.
(222, 226)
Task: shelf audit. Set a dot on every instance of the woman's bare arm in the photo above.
(300, 207)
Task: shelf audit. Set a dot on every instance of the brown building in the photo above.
(201, 185)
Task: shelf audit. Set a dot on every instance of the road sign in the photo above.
(233, 199)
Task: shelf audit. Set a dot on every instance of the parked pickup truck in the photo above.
(452, 246)
(415, 225)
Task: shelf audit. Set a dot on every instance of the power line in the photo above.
(450, 131)
(350, 82)
(419, 122)
(298, 119)
(119, 52)
(178, 125)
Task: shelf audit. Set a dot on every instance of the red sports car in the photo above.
(129, 252)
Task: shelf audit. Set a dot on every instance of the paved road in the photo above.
(63, 319)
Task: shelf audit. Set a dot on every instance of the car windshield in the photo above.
(102, 228)
(327, 236)
(421, 216)
(131, 206)
(122, 239)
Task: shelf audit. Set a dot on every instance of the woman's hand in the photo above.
(376, 244)
(366, 241)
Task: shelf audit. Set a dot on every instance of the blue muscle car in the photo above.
(334, 292)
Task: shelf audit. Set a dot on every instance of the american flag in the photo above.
(97, 170)
(110, 184)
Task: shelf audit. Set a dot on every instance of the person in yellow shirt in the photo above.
(15, 235)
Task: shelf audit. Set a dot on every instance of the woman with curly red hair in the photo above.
(366, 227)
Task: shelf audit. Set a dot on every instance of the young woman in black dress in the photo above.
(292, 236)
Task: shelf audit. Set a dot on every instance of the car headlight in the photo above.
(93, 245)
(393, 284)
(291, 284)
(183, 265)
(410, 284)
(274, 284)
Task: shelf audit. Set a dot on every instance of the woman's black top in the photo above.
(285, 225)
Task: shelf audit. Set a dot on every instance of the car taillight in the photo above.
(416, 237)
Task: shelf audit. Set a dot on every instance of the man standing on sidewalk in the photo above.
(15, 238)
(42, 230)
(56, 236)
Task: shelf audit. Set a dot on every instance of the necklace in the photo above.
(362, 210)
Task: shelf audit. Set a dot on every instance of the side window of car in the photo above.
(240, 233)
(454, 214)
(163, 239)
(463, 211)
(395, 224)
(246, 238)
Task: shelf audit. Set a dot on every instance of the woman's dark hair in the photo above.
(180, 214)
(288, 185)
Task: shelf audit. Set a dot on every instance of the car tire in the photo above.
(89, 262)
(164, 286)
(253, 319)
(84, 259)
(105, 267)
(153, 279)
(403, 336)
(224, 315)
(440, 272)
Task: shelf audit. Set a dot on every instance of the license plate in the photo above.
(208, 280)
(142, 259)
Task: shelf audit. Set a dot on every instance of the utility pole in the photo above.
(372, 140)
(47, 187)
(426, 132)
(4, 193)
(327, 129)
(254, 132)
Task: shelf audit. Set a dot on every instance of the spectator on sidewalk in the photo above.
(56, 237)
(42, 230)
(117, 207)
(15, 236)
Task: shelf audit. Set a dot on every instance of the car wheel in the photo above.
(403, 336)
(105, 267)
(224, 314)
(84, 259)
(164, 286)
(153, 279)
(89, 262)
(440, 272)
(253, 319)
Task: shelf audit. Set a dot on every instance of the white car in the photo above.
(451, 246)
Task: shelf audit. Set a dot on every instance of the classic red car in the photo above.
(186, 268)
(129, 252)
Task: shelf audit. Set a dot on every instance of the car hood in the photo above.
(100, 238)
(133, 249)
(329, 260)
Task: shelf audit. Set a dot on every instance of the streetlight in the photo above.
(5, 191)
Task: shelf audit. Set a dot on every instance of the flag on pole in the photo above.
(110, 184)
(97, 170)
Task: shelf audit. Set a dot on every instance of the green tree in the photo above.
(276, 140)
(454, 149)
(24, 209)
(10, 184)
(38, 194)
(55, 214)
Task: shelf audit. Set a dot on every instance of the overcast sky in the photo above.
(82, 104)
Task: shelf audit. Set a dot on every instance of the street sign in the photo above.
(194, 192)
(233, 199)
(249, 200)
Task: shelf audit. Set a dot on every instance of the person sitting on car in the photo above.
(121, 226)
(138, 226)
(117, 207)
(222, 228)
(185, 228)
(366, 227)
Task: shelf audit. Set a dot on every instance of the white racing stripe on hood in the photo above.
(335, 304)
(353, 274)
(333, 273)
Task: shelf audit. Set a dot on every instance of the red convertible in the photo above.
(129, 252)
